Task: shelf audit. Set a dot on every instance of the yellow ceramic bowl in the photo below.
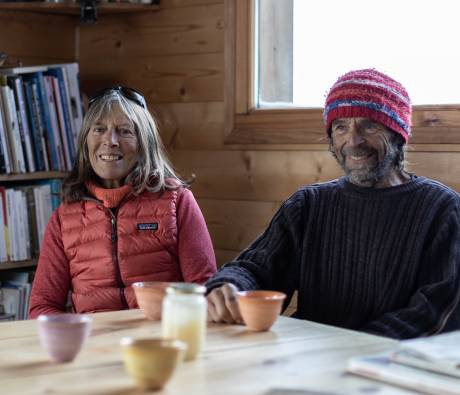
(151, 362)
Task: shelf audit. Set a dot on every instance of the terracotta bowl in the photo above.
(149, 297)
(152, 362)
(63, 335)
(260, 309)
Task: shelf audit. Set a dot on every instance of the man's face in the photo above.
(365, 151)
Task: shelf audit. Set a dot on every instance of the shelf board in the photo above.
(18, 264)
(38, 175)
(74, 8)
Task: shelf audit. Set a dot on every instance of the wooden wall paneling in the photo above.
(187, 30)
(441, 166)
(165, 4)
(254, 175)
(224, 256)
(36, 38)
(274, 175)
(234, 224)
(191, 126)
(174, 55)
(162, 79)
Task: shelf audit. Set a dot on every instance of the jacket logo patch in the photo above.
(151, 226)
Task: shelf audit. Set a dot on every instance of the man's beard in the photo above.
(370, 175)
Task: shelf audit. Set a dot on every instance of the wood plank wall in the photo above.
(37, 39)
(176, 57)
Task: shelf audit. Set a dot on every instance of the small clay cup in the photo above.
(149, 295)
(152, 362)
(260, 309)
(63, 335)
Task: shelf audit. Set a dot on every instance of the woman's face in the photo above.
(112, 146)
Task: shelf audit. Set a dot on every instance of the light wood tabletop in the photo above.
(294, 358)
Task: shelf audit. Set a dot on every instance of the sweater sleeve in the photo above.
(195, 250)
(271, 261)
(52, 278)
(434, 306)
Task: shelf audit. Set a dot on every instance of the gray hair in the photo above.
(152, 172)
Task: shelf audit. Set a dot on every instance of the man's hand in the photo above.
(223, 306)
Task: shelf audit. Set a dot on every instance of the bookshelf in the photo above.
(26, 264)
(41, 33)
(74, 8)
(38, 175)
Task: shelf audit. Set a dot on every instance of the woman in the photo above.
(125, 216)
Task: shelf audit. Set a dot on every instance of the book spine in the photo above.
(54, 123)
(72, 77)
(2, 153)
(45, 110)
(4, 139)
(58, 72)
(5, 222)
(3, 254)
(62, 124)
(34, 127)
(18, 138)
(9, 129)
(41, 126)
(22, 108)
(34, 243)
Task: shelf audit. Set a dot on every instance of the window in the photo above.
(283, 55)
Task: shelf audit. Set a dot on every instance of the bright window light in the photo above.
(415, 42)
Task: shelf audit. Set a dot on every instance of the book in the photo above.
(4, 136)
(54, 122)
(61, 121)
(3, 252)
(42, 99)
(72, 77)
(438, 353)
(382, 368)
(12, 129)
(59, 73)
(3, 159)
(5, 222)
(41, 128)
(21, 281)
(10, 298)
(35, 132)
(21, 107)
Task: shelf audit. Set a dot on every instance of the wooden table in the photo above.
(299, 357)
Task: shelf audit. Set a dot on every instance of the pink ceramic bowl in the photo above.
(149, 295)
(63, 335)
(260, 309)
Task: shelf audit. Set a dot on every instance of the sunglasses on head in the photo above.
(127, 93)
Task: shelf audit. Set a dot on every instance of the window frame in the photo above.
(246, 124)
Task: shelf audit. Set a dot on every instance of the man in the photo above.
(377, 250)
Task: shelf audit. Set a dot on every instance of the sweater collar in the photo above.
(110, 198)
(354, 190)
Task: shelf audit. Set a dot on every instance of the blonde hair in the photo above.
(152, 172)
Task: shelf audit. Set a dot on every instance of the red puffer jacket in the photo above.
(97, 252)
(109, 251)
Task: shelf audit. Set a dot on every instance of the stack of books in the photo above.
(40, 118)
(429, 365)
(24, 214)
(15, 290)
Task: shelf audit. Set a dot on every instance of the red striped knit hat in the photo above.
(370, 94)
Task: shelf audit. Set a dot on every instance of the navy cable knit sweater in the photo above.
(385, 261)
